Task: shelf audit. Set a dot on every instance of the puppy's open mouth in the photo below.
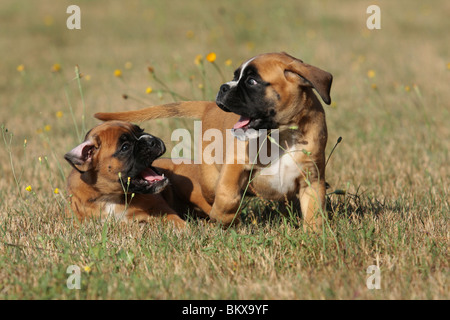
(243, 123)
(150, 176)
(148, 181)
(244, 128)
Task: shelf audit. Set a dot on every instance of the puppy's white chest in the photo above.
(281, 176)
(112, 210)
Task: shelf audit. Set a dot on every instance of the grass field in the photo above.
(391, 171)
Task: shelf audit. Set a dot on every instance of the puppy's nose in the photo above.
(157, 143)
(154, 142)
(224, 88)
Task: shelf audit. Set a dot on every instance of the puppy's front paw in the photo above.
(224, 219)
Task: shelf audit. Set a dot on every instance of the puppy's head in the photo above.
(269, 89)
(116, 156)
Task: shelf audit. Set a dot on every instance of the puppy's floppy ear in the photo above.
(81, 156)
(312, 76)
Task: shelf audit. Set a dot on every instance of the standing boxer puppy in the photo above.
(269, 91)
(113, 162)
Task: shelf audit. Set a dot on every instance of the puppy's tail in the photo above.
(183, 109)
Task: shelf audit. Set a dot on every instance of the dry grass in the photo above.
(393, 160)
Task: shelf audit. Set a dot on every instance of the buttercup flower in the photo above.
(211, 57)
(29, 188)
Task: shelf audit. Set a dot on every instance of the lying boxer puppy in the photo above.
(269, 91)
(99, 183)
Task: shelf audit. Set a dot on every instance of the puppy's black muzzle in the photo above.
(221, 96)
(149, 147)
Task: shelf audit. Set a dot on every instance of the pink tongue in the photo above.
(242, 122)
(150, 175)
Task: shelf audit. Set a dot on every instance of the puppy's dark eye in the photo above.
(125, 147)
(252, 82)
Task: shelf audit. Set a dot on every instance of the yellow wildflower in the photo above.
(29, 188)
(407, 88)
(56, 67)
(87, 269)
(20, 67)
(149, 90)
(117, 73)
(373, 86)
(198, 59)
(48, 21)
(56, 191)
(59, 114)
(228, 62)
(211, 57)
(371, 74)
(190, 34)
(128, 65)
(47, 128)
(250, 45)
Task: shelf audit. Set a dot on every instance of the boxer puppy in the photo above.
(114, 162)
(269, 91)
